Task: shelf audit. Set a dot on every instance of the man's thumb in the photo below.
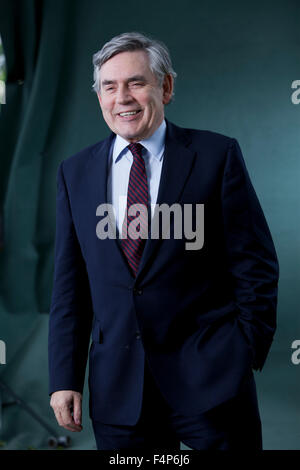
(77, 409)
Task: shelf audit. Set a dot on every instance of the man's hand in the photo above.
(66, 405)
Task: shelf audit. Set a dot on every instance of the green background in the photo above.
(235, 63)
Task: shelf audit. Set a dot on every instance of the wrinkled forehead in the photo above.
(126, 66)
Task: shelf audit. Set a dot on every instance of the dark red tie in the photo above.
(137, 194)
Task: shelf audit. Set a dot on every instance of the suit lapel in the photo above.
(177, 164)
(97, 172)
(97, 169)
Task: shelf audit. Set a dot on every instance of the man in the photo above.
(176, 330)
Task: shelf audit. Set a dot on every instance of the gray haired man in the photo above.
(176, 334)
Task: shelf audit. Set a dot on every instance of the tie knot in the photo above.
(136, 149)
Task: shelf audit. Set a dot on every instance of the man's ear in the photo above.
(168, 85)
(99, 97)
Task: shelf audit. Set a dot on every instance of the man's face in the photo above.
(129, 86)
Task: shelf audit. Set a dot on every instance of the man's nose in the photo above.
(123, 95)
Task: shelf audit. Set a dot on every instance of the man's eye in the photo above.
(137, 84)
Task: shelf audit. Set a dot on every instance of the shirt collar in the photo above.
(154, 144)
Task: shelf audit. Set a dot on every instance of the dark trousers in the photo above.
(233, 425)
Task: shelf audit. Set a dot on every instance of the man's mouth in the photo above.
(129, 113)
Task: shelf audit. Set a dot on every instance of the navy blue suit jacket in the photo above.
(202, 319)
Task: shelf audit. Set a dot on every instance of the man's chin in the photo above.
(130, 135)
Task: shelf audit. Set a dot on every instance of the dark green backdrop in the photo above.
(235, 63)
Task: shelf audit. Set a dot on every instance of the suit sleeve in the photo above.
(252, 259)
(71, 307)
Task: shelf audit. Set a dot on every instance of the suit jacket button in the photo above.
(137, 291)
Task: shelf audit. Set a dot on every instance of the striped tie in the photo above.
(137, 194)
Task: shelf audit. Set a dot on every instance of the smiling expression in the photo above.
(130, 98)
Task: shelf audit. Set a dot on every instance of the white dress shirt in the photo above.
(120, 161)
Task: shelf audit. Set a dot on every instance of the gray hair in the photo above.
(159, 57)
